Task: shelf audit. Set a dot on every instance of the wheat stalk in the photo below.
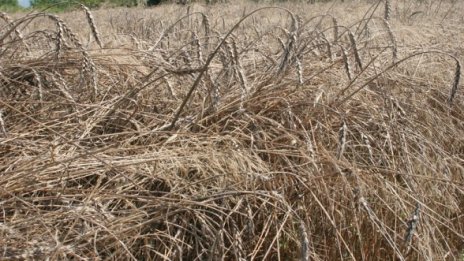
(367, 32)
(457, 77)
(240, 73)
(2, 124)
(304, 242)
(39, 84)
(355, 50)
(412, 227)
(5, 17)
(63, 30)
(197, 44)
(387, 10)
(392, 39)
(88, 67)
(299, 70)
(335, 30)
(329, 47)
(10, 25)
(61, 41)
(61, 84)
(367, 143)
(238, 244)
(187, 58)
(92, 24)
(346, 63)
(342, 140)
(206, 25)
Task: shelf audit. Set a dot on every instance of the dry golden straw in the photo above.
(233, 132)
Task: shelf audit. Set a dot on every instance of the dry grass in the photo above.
(233, 132)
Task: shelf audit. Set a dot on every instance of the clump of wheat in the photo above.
(215, 137)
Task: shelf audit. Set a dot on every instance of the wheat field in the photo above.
(235, 131)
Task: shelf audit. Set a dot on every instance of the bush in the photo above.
(153, 2)
(12, 3)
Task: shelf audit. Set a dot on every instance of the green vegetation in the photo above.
(63, 4)
(9, 5)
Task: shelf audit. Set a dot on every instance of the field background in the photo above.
(327, 131)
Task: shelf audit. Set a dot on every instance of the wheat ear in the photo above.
(207, 31)
(392, 39)
(457, 77)
(412, 226)
(387, 13)
(335, 29)
(342, 140)
(92, 24)
(2, 124)
(346, 63)
(355, 50)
